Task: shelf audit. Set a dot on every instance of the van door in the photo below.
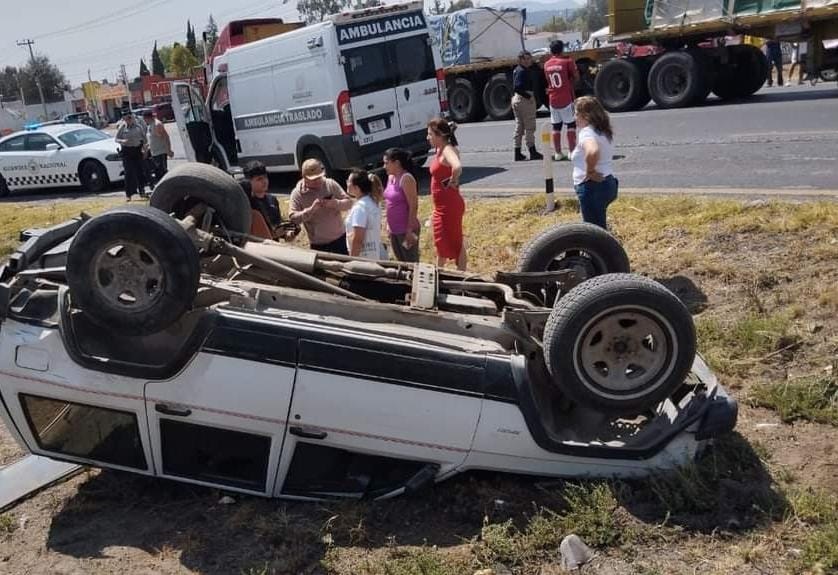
(193, 122)
(221, 421)
(370, 79)
(417, 90)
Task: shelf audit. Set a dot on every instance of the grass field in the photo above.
(762, 282)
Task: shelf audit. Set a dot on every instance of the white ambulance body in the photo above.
(342, 91)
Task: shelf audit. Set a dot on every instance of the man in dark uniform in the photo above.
(526, 80)
(256, 188)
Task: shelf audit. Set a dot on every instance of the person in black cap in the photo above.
(132, 139)
(525, 82)
(256, 188)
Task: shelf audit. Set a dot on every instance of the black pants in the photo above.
(132, 163)
(775, 62)
(336, 247)
(159, 166)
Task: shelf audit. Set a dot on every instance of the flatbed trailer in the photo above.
(695, 57)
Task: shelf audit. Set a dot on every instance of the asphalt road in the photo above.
(784, 141)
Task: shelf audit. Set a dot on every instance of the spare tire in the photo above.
(189, 184)
(619, 343)
(582, 246)
(132, 270)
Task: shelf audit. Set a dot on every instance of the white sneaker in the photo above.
(560, 158)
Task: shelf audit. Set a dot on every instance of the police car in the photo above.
(47, 156)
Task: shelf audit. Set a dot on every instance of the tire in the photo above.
(464, 102)
(313, 152)
(830, 75)
(497, 97)
(157, 265)
(677, 80)
(4, 188)
(753, 63)
(574, 246)
(619, 343)
(587, 78)
(726, 86)
(621, 85)
(708, 70)
(184, 186)
(93, 177)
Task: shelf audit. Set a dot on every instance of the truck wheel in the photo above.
(708, 71)
(621, 85)
(4, 188)
(587, 77)
(676, 80)
(133, 270)
(584, 248)
(753, 68)
(190, 184)
(464, 103)
(497, 97)
(93, 177)
(619, 343)
(726, 86)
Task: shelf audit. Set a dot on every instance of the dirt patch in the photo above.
(760, 280)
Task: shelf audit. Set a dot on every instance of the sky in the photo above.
(78, 35)
(82, 35)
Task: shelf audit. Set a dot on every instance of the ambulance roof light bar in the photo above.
(351, 15)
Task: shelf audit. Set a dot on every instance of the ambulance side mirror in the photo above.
(53, 147)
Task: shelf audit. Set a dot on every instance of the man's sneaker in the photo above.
(560, 157)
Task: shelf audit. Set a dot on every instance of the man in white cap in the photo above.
(316, 203)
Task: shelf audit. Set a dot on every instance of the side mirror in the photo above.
(53, 147)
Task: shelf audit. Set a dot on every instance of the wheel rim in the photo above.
(499, 98)
(585, 264)
(128, 276)
(618, 86)
(673, 81)
(460, 102)
(625, 352)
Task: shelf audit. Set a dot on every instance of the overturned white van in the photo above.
(342, 91)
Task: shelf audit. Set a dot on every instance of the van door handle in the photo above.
(308, 433)
(175, 411)
(371, 107)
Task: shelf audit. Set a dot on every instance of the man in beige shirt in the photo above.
(317, 203)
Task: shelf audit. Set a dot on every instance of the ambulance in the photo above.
(342, 91)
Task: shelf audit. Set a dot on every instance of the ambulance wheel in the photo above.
(4, 188)
(315, 153)
(619, 343)
(93, 177)
(187, 185)
(132, 270)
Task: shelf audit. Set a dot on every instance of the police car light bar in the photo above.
(351, 15)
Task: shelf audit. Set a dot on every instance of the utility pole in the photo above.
(29, 44)
(127, 89)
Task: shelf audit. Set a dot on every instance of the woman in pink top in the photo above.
(401, 199)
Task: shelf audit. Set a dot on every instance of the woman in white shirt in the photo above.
(363, 224)
(593, 159)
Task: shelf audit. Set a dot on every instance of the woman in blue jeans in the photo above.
(593, 160)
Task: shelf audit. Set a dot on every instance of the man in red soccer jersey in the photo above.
(561, 76)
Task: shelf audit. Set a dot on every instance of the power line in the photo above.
(103, 20)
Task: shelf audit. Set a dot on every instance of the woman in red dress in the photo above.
(449, 206)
